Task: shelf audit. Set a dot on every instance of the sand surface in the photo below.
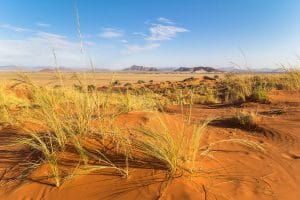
(232, 171)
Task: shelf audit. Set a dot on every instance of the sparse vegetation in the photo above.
(81, 122)
(116, 83)
(67, 118)
(140, 82)
(86, 129)
(248, 120)
(127, 84)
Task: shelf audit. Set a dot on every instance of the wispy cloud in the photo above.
(44, 25)
(164, 20)
(164, 30)
(124, 41)
(14, 28)
(159, 32)
(110, 33)
(36, 50)
(133, 48)
(48, 35)
(140, 34)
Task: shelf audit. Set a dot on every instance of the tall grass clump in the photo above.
(290, 80)
(234, 89)
(241, 88)
(45, 145)
(248, 120)
(10, 103)
(256, 87)
(174, 149)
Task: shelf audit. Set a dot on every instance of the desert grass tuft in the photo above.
(247, 120)
(176, 151)
(48, 147)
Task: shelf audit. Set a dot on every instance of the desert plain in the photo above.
(149, 135)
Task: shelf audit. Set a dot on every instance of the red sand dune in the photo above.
(232, 172)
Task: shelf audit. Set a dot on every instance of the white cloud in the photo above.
(164, 32)
(36, 50)
(158, 32)
(50, 35)
(124, 41)
(140, 34)
(110, 33)
(133, 48)
(44, 25)
(14, 28)
(164, 20)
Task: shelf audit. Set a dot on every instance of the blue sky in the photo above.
(158, 33)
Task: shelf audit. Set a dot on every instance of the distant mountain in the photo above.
(137, 68)
(184, 69)
(99, 70)
(205, 69)
(197, 69)
(251, 69)
(25, 68)
(67, 69)
(140, 68)
(10, 68)
(52, 69)
(167, 69)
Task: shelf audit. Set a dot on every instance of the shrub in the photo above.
(91, 88)
(140, 82)
(116, 83)
(209, 78)
(127, 84)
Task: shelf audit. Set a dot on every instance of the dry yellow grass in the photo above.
(67, 118)
(101, 78)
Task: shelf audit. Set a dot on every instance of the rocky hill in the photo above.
(140, 68)
(197, 69)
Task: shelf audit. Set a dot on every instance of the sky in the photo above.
(159, 33)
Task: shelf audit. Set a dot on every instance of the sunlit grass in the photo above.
(65, 117)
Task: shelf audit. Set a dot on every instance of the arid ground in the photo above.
(180, 136)
(102, 78)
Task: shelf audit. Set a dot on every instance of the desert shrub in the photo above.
(128, 84)
(260, 94)
(189, 79)
(140, 82)
(78, 87)
(234, 89)
(91, 88)
(291, 80)
(57, 86)
(209, 78)
(116, 83)
(248, 120)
